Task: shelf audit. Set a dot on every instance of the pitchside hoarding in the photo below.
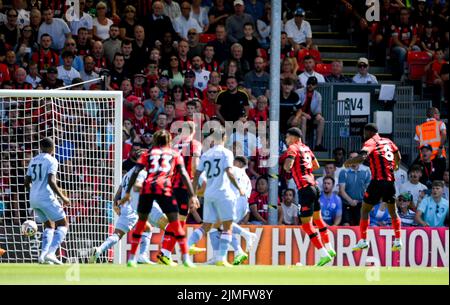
(287, 245)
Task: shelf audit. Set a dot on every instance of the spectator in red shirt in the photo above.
(141, 123)
(129, 99)
(261, 112)
(140, 88)
(434, 78)
(259, 202)
(4, 73)
(11, 63)
(44, 56)
(209, 63)
(209, 102)
(404, 38)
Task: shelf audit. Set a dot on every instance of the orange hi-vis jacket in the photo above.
(430, 133)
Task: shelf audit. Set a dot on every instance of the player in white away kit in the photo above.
(242, 209)
(128, 218)
(219, 204)
(41, 180)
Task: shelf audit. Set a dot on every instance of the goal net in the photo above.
(87, 131)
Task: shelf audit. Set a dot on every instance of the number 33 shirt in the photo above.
(214, 163)
(381, 157)
(160, 163)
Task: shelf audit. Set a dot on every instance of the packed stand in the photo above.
(208, 60)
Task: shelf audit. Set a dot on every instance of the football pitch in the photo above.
(108, 274)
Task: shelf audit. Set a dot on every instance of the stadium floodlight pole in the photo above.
(275, 60)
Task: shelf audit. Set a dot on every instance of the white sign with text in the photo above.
(357, 102)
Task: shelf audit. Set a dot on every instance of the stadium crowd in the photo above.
(208, 60)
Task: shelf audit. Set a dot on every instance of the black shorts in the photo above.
(308, 199)
(380, 191)
(182, 198)
(167, 204)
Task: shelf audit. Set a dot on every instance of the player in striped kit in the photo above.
(160, 163)
(191, 150)
(41, 180)
(300, 161)
(384, 158)
(128, 218)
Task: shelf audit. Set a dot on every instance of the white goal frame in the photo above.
(82, 94)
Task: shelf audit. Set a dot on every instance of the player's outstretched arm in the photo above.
(52, 183)
(356, 160)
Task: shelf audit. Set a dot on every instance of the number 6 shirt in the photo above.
(381, 157)
(160, 164)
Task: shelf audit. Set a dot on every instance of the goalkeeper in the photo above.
(128, 218)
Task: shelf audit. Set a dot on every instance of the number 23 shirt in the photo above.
(214, 163)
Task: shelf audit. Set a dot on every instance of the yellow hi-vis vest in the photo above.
(430, 133)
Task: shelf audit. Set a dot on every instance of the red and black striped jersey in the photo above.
(188, 150)
(303, 164)
(381, 157)
(160, 164)
(45, 59)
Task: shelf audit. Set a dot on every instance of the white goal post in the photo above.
(87, 129)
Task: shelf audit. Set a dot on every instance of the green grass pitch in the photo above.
(212, 275)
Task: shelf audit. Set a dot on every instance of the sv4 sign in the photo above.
(357, 102)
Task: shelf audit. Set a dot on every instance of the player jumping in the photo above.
(41, 180)
(219, 204)
(160, 163)
(384, 158)
(128, 218)
(300, 161)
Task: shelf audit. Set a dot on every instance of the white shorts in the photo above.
(155, 215)
(241, 209)
(218, 209)
(49, 209)
(127, 219)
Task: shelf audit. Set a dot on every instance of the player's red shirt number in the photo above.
(157, 166)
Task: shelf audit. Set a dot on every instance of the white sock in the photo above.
(47, 238)
(166, 253)
(58, 237)
(186, 257)
(109, 242)
(328, 246)
(323, 252)
(145, 243)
